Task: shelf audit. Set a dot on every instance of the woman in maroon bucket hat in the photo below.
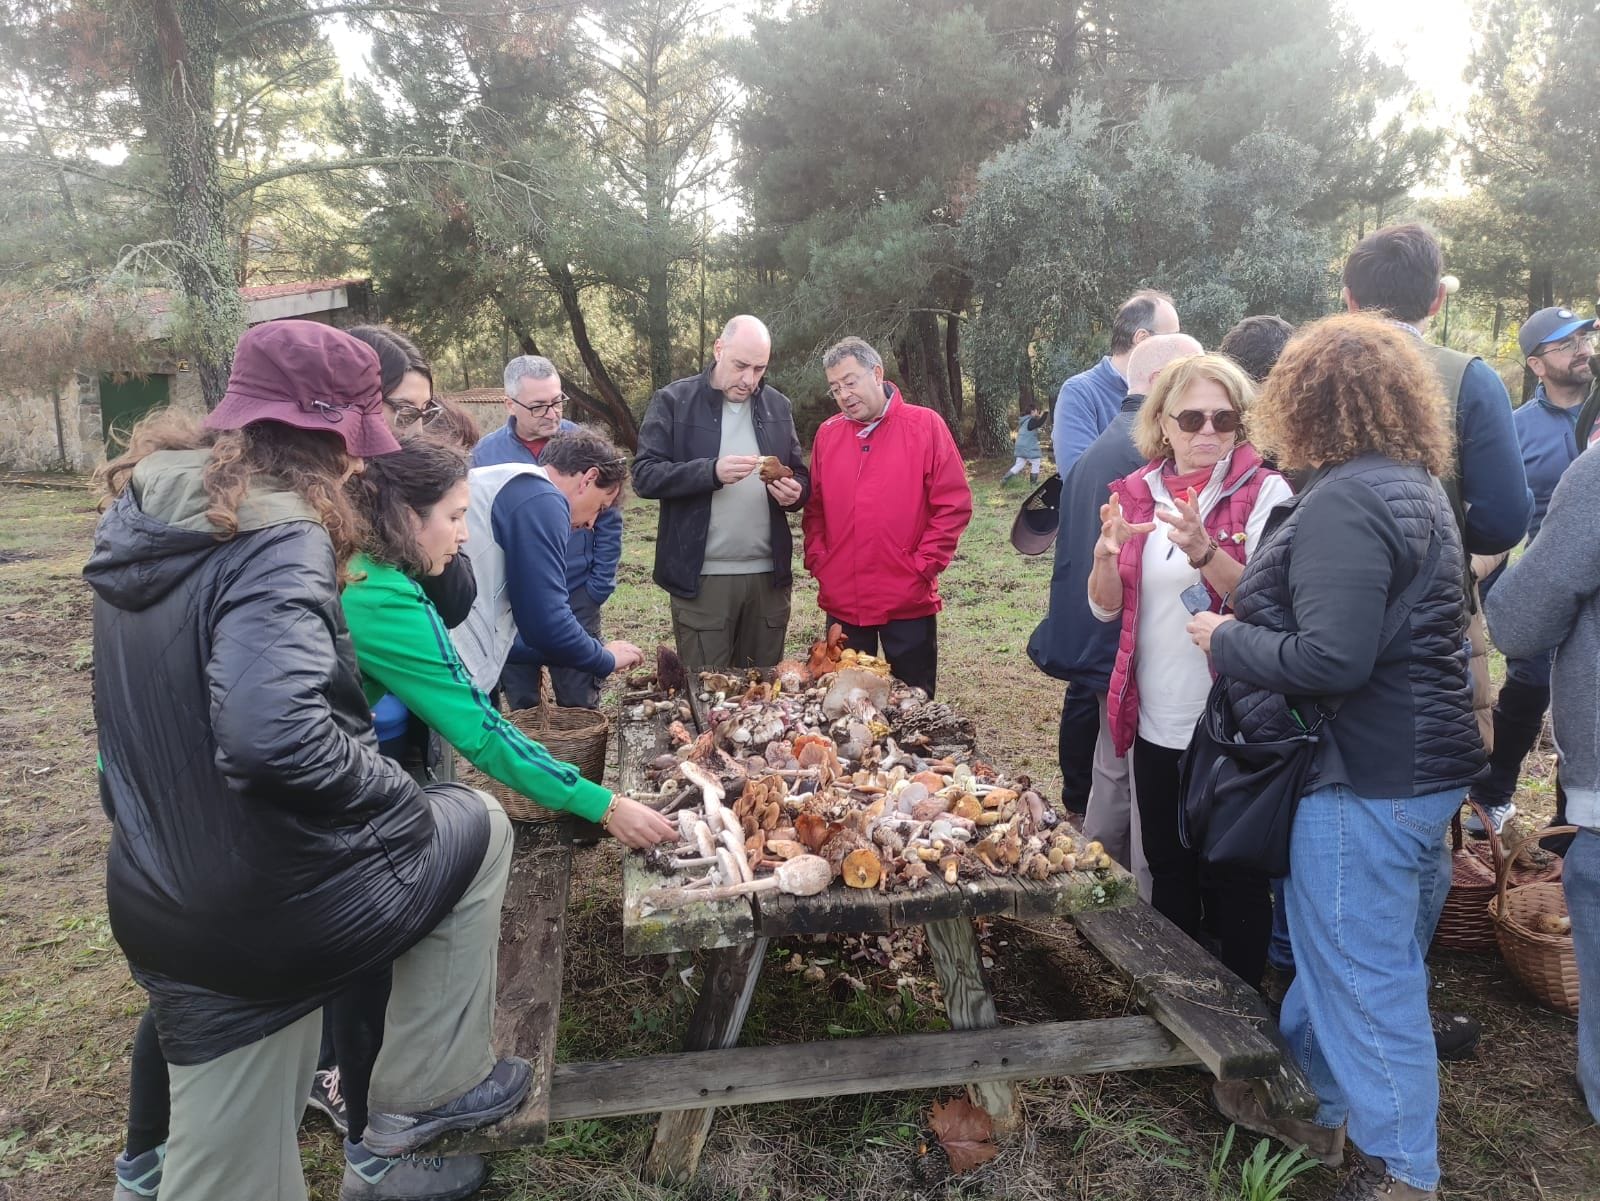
(264, 854)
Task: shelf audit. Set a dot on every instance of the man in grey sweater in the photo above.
(1550, 599)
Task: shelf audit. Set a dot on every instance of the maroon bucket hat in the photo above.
(310, 376)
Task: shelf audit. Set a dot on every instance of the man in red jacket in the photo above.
(889, 499)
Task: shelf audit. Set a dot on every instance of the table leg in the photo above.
(725, 991)
(956, 961)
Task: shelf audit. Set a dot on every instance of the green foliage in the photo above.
(1265, 1175)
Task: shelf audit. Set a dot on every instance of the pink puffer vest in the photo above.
(1225, 522)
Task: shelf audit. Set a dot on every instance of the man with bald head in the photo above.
(1069, 643)
(723, 547)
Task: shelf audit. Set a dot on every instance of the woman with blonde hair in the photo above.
(1174, 539)
(1369, 543)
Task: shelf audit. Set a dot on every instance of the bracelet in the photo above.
(611, 810)
(1211, 551)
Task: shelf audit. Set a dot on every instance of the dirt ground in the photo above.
(1511, 1126)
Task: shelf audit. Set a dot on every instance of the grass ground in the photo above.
(1510, 1126)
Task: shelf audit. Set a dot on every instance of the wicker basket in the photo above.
(1464, 923)
(1545, 963)
(576, 736)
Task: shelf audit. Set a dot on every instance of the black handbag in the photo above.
(1237, 799)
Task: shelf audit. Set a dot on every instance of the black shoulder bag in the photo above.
(1237, 798)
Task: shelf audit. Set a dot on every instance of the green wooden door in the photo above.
(123, 400)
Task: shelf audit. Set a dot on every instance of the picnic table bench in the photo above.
(1196, 1011)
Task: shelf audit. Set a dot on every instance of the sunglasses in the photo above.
(541, 410)
(405, 414)
(1192, 421)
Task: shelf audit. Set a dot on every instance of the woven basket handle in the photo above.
(1458, 835)
(547, 697)
(1502, 869)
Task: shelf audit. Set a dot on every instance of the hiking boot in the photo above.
(326, 1096)
(139, 1176)
(1455, 1035)
(1371, 1182)
(1275, 982)
(498, 1094)
(1498, 816)
(1236, 1100)
(369, 1177)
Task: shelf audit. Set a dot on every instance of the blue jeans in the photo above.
(1364, 893)
(1581, 879)
(1280, 951)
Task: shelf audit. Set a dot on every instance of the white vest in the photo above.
(484, 640)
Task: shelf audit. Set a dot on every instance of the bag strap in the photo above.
(1399, 610)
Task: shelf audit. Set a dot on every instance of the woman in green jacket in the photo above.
(415, 503)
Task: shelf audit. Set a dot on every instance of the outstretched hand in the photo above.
(1116, 530)
(638, 826)
(1188, 532)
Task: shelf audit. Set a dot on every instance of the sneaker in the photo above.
(139, 1176)
(1236, 1100)
(497, 1095)
(1455, 1035)
(369, 1177)
(326, 1096)
(1499, 815)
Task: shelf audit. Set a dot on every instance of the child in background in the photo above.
(1027, 445)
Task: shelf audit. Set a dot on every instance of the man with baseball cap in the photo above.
(1556, 343)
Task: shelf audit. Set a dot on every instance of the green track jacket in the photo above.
(402, 647)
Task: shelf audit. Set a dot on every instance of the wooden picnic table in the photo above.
(1197, 1012)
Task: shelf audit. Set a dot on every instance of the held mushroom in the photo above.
(803, 876)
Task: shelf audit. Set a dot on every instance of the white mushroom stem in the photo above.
(735, 846)
(802, 876)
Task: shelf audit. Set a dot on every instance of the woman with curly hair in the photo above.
(264, 855)
(1175, 537)
(1354, 407)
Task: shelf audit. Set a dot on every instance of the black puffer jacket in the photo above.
(1310, 606)
(263, 852)
(679, 442)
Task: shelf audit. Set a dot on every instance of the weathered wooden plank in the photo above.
(690, 928)
(953, 946)
(725, 991)
(724, 924)
(528, 994)
(1220, 1018)
(843, 1067)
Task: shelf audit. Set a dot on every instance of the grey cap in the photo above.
(1550, 325)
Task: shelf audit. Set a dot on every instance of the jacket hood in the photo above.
(157, 532)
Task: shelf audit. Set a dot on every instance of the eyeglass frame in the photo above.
(407, 415)
(1234, 417)
(1583, 339)
(545, 409)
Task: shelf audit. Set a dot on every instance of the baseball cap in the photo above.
(1550, 325)
(1033, 530)
(310, 376)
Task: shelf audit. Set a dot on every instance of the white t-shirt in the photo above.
(1172, 673)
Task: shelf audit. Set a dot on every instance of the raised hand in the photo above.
(1116, 530)
(1188, 532)
(733, 468)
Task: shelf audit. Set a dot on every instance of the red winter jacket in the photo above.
(885, 513)
(1225, 522)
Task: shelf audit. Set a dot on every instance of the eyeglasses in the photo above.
(1567, 346)
(544, 409)
(1192, 421)
(405, 414)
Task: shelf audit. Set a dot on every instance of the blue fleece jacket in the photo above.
(1085, 405)
(1548, 435)
(532, 523)
(592, 555)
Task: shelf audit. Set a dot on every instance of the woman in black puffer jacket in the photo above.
(1355, 407)
(264, 854)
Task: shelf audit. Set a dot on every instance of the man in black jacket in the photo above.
(719, 451)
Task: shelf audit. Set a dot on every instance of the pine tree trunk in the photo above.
(920, 351)
(176, 85)
(952, 367)
(991, 434)
(607, 395)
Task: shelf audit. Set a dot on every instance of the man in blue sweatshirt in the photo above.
(535, 404)
(1555, 343)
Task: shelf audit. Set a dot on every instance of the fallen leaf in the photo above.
(965, 1132)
